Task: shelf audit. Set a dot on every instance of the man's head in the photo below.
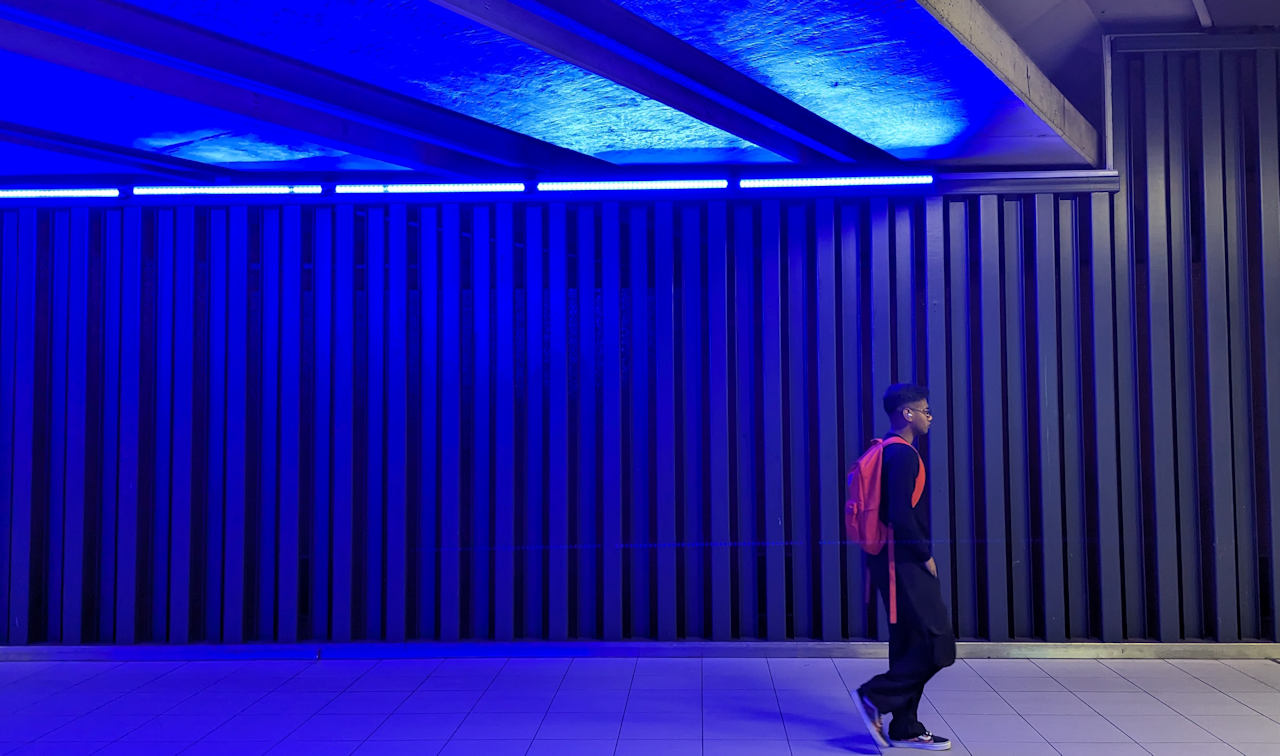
(908, 407)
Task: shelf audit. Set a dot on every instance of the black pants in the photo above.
(921, 643)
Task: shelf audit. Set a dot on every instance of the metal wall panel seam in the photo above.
(937, 451)
(450, 425)
(1021, 594)
(637, 467)
(717, 397)
(184, 415)
(588, 519)
(964, 536)
(162, 443)
(110, 440)
(323, 447)
(269, 470)
(375, 493)
(1073, 451)
(746, 538)
(665, 423)
(77, 420)
(1191, 582)
(236, 423)
(1110, 602)
(994, 418)
(430, 454)
(611, 420)
(1243, 414)
(829, 473)
(291, 439)
(559, 431)
(772, 390)
(504, 451)
(480, 549)
(397, 426)
(534, 485)
(343, 424)
(1269, 202)
(800, 495)
(696, 554)
(55, 467)
(854, 438)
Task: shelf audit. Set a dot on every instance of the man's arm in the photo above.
(900, 466)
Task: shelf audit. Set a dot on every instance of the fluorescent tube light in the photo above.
(426, 188)
(56, 193)
(629, 186)
(181, 191)
(798, 183)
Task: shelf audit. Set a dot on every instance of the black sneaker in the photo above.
(925, 742)
(871, 718)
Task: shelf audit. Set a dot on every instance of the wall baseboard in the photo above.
(709, 649)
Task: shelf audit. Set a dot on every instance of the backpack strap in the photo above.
(915, 499)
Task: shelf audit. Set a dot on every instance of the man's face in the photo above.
(918, 416)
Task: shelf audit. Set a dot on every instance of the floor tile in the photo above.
(297, 702)
(957, 702)
(256, 727)
(570, 725)
(486, 725)
(842, 746)
(1035, 702)
(1201, 749)
(207, 748)
(22, 727)
(400, 747)
(99, 727)
(664, 700)
(1266, 704)
(176, 727)
(736, 674)
(507, 747)
(1006, 667)
(1214, 703)
(1248, 729)
(573, 747)
(365, 702)
(507, 701)
(1023, 684)
(439, 726)
(1160, 729)
(649, 725)
(338, 727)
(1112, 684)
(1008, 749)
(761, 725)
(292, 747)
(1009, 728)
(61, 748)
(1108, 703)
(756, 747)
(439, 701)
(664, 747)
(590, 700)
(1100, 749)
(1091, 728)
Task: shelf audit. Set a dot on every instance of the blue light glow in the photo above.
(185, 191)
(56, 193)
(630, 186)
(797, 183)
(426, 188)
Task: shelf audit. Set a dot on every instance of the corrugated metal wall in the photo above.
(1196, 139)
(591, 420)
(609, 420)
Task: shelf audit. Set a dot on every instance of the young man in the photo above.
(921, 641)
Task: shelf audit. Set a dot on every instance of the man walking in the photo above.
(921, 641)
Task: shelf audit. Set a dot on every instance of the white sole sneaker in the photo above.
(865, 708)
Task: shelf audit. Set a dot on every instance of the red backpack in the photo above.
(862, 522)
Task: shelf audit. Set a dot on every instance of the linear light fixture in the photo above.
(798, 183)
(426, 188)
(632, 186)
(55, 193)
(180, 191)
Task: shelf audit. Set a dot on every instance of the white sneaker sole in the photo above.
(870, 724)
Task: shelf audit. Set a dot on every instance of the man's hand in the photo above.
(932, 567)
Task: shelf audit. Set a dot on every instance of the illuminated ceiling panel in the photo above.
(54, 98)
(883, 70)
(420, 49)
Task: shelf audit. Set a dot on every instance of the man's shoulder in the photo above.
(900, 454)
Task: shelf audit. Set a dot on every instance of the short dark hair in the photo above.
(901, 394)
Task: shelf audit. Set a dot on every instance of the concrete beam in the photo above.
(974, 26)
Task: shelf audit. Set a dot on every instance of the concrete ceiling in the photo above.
(1064, 37)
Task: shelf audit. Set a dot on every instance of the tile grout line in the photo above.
(559, 685)
(617, 742)
(407, 694)
(266, 693)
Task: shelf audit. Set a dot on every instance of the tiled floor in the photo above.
(571, 707)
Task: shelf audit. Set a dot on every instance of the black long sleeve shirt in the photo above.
(911, 527)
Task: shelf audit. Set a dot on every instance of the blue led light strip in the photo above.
(55, 193)
(180, 191)
(799, 183)
(425, 188)
(633, 186)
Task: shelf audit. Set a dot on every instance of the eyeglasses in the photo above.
(922, 410)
